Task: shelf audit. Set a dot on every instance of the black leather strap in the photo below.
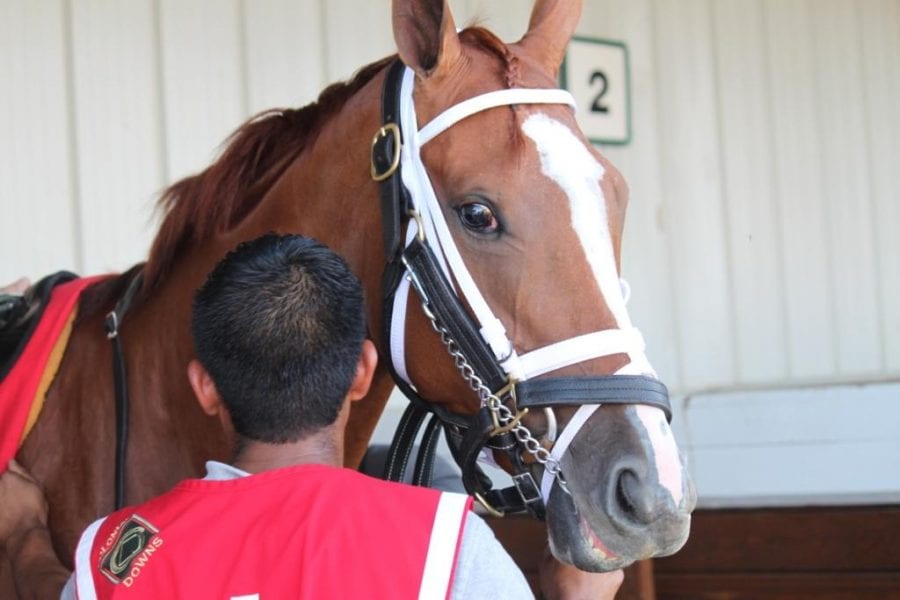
(404, 438)
(394, 201)
(120, 376)
(472, 443)
(453, 316)
(393, 273)
(424, 471)
(610, 389)
(525, 495)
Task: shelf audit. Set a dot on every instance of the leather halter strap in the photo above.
(120, 376)
(606, 389)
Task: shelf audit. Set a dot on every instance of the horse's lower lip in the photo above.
(597, 545)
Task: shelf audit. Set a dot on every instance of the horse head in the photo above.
(522, 219)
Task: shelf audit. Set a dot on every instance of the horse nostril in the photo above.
(634, 500)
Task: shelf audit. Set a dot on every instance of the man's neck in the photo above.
(319, 449)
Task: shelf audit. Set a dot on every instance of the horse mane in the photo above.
(254, 157)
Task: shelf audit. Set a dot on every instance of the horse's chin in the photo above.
(592, 543)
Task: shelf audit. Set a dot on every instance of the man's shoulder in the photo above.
(484, 567)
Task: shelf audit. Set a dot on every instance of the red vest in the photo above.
(306, 532)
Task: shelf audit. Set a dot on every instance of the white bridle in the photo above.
(626, 340)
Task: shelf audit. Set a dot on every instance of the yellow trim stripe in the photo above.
(49, 374)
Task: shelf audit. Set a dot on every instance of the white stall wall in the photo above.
(761, 240)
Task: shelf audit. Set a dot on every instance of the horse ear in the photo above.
(426, 36)
(551, 27)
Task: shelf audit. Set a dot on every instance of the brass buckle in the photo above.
(392, 129)
(420, 226)
(498, 430)
(507, 390)
(491, 510)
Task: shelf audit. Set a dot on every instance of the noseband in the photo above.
(483, 353)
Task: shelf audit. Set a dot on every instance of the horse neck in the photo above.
(328, 194)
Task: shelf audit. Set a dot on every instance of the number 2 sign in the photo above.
(596, 72)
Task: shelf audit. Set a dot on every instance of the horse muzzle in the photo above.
(625, 497)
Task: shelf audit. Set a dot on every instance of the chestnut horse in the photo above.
(525, 211)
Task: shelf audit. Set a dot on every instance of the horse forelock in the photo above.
(484, 39)
(488, 42)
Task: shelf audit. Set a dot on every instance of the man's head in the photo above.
(279, 330)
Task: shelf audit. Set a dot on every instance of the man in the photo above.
(279, 330)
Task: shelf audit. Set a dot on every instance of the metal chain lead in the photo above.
(489, 399)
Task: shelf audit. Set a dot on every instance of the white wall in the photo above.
(761, 240)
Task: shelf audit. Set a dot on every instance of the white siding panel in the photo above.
(645, 259)
(795, 446)
(285, 52)
(880, 33)
(753, 235)
(692, 191)
(356, 34)
(203, 67)
(508, 18)
(37, 222)
(799, 190)
(798, 476)
(117, 135)
(841, 114)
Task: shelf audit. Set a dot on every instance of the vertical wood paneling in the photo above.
(203, 66)
(117, 129)
(37, 223)
(841, 114)
(645, 259)
(356, 33)
(508, 19)
(754, 240)
(880, 64)
(799, 190)
(692, 188)
(284, 41)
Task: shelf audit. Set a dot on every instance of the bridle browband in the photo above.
(484, 355)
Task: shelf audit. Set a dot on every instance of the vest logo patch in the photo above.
(128, 549)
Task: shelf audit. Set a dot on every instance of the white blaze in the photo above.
(665, 450)
(566, 160)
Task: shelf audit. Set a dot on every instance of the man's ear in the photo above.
(204, 388)
(365, 370)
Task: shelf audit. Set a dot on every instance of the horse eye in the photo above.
(478, 218)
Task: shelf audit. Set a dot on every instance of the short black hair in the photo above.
(279, 325)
